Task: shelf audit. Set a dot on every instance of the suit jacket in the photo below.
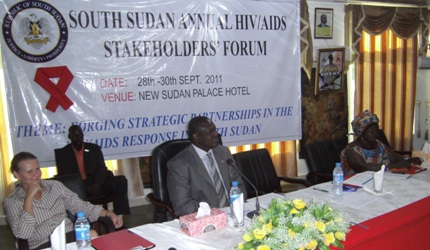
(94, 163)
(189, 183)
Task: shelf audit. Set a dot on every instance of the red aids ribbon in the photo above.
(57, 91)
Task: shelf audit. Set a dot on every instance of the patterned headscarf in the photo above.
(362, 120)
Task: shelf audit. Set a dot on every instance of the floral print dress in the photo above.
(378, 155)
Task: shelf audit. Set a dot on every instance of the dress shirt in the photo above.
(50, 211)
(203, 155)
(79, 154)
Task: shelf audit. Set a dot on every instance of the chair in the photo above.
(75, 183)
(160, 197)
(102, 199)
(21, 244)
(321, 157)
(257, 166)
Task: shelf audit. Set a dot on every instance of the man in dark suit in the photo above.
(323, 19)
(189, 177)
(87, 159)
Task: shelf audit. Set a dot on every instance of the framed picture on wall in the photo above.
(323, 23)
(329, 72)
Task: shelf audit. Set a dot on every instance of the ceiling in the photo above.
(404, 3)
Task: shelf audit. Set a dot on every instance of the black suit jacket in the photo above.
(94, 163)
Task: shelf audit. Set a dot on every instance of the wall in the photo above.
(337, 41)
(423, 95)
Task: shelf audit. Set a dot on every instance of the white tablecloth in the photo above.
(359, 206)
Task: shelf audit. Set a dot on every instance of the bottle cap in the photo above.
(81, 214)
(234, 183)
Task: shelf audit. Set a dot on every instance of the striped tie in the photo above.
(223, 201)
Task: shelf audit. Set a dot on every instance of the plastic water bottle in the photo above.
(236, 205)
(338, 180)
(82, 231)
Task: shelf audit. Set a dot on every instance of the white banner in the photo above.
(132, 74)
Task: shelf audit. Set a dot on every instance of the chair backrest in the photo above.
(383, 138)
(257, 166)
(322, 156)
(160, 156)
(57, 152)
(75, 183)
(71, 181)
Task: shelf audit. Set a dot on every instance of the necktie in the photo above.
(223, 201)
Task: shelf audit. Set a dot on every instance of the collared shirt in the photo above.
(79, 154)
(203, 156)
(49, 212)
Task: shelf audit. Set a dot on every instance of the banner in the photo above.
(132, 74)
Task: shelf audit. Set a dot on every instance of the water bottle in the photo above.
(337, 180)
(236, 205)
(82, 231)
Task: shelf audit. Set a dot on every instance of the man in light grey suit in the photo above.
(189, 177)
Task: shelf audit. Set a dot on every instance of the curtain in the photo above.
(5, 176)
(284, 155)
(306, 47)
(386, 83)
(130, 168)
(404, 22)
(385, 47)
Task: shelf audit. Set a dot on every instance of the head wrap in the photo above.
(362, 120)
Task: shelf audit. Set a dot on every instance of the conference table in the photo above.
(397, 218)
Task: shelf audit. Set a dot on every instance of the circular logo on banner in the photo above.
(35, 31)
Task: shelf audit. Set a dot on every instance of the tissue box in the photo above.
(192, 226)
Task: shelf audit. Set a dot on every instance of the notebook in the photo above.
(123, 239)
(412, 170)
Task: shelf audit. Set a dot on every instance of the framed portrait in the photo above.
(323, 23)
(329, 72)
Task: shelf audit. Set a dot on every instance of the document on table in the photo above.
(355, 199)
(361, 179)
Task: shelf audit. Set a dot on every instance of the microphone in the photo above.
(251, 214)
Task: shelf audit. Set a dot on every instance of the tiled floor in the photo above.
(139, 215)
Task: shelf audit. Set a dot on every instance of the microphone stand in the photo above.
(250, 214)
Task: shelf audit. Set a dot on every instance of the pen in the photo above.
(360, 225)
(367, 181)
(419, 171)
(319, 189)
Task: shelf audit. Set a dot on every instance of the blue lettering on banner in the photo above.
(155, 138)
(245, 130)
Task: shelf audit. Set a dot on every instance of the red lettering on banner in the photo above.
(112, 82)
(118, 97)
(57, 91)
